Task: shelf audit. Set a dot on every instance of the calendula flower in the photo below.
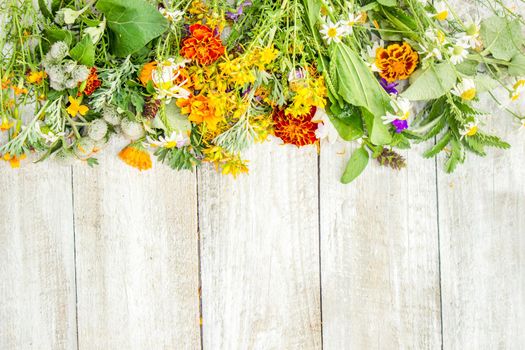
(465, 89)
(325, 129)
(203, 45)
(36, 77)
(348, 24)
(296, 130)
(332, 32)
(175, 139)
(14, 161)
(136, 157)
(441, 10)
(470, 129)
(146, 71)
(75, 107)
(458, 53)
(399, 119)
(396, 62)
(199, 110)
(517, 89)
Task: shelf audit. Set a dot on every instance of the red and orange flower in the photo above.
(92, 82)
(203, 45)
(296, 130)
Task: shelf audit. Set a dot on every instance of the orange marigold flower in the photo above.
(36, 77)
(135, 157)
(203, 45)
(92, 83)
(19, 90)
(145, 73)
(296, 130)
(396, 62)
(199, 110)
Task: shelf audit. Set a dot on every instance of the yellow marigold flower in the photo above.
(396, 62)
(146, 71)
(14, 161)
(136, 157)
(75, 107)
(36, 77)
(266, 56)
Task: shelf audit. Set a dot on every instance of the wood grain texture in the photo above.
(379, 255)
(37, 271)
(482, 227)
(259, 249)
(137, 257)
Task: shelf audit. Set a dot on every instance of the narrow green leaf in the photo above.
(357, 163)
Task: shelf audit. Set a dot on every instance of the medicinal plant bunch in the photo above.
(195, 82)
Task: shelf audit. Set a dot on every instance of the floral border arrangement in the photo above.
(193, 82)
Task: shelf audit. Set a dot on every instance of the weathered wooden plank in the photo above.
(379, 255)
(37, 271)
(259, 253)
(137, 257)
(482, 226)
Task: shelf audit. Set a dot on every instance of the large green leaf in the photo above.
(517, 65)
(84, 52)
(132, 23)
(348, 124)
(501, 37)
(431, 83)
(357, 163)
(358, 86)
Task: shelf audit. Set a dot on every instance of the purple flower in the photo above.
(234, 16)
(389, 87)
(400, 125)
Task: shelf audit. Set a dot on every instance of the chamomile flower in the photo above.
(441, 11)
(458, 53)
(175, 139)
(470, 38)
(429, 52)
(470, 129)
(348, 24)
(436, 36)
(332, 32)
(399, 119)
(172, 16)
(517, 89)
(325, 128)
(164, 78)
(465, 89)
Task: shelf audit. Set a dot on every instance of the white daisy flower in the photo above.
(172, 16)
(332, 32)
(436, 36)
(348, 25)
(457, 53)
(470, 38)
(325, 128)
(401, 108)
(465, 89)
(441, 10)
(175, 139)
(517, 89)
(371, 53)
(470, 129)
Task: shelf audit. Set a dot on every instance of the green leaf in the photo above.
(431, 83)
(501, 37)
(485, 83)
(313, 8)
(357, 163)
(350, 128)
(439, 146)
(84, 52)
(468, 67)
(54, 34)
(358, 86)
(389, 3)
(132, 23)
(517, 65)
